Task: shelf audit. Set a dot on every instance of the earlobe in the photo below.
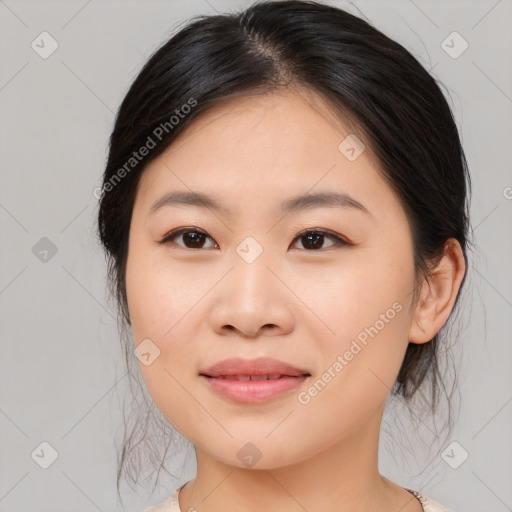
(438, 294)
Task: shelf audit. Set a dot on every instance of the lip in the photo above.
(253, 391)
(260, 366)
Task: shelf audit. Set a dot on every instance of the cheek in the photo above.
(359, 292)
(359, 365)
(161, 304)
(362, 314)
(159, 297)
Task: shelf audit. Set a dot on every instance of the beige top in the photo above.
(172, 504)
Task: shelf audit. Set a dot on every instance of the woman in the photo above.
(285, 213)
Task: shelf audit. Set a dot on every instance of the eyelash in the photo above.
(180, 231)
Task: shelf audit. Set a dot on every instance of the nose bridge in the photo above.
(251, 259)
(252, 297)
(252, 287)
(251, 250)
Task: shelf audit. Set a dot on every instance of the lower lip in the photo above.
(254, 391)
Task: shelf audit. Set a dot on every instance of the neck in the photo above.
(339, 478)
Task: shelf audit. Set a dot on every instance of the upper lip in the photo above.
(259, 366)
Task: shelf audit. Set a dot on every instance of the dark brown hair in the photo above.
(391, 101)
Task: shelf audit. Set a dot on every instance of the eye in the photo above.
(195, 238)
(314, 238)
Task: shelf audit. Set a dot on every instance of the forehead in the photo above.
(296, 119)
(263, 148)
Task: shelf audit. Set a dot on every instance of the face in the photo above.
(322, 287)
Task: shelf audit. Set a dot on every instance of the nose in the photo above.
(252, 300)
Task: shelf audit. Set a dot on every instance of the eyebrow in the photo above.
(294, 204)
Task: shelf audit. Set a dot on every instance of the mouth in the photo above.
(249, 368)
(253, 389)
(253, 381)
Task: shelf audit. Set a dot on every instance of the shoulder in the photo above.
(170, 505)
(433, 506)
(429, 505)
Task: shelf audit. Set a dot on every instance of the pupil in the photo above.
(194, 237)
(314, 237)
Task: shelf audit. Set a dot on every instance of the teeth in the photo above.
(271, 376)
(259, 377)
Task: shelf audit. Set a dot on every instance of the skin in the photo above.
(295, 302)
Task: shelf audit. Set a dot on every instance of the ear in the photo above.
(438, 294)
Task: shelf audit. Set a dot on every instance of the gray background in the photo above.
(61, 368)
